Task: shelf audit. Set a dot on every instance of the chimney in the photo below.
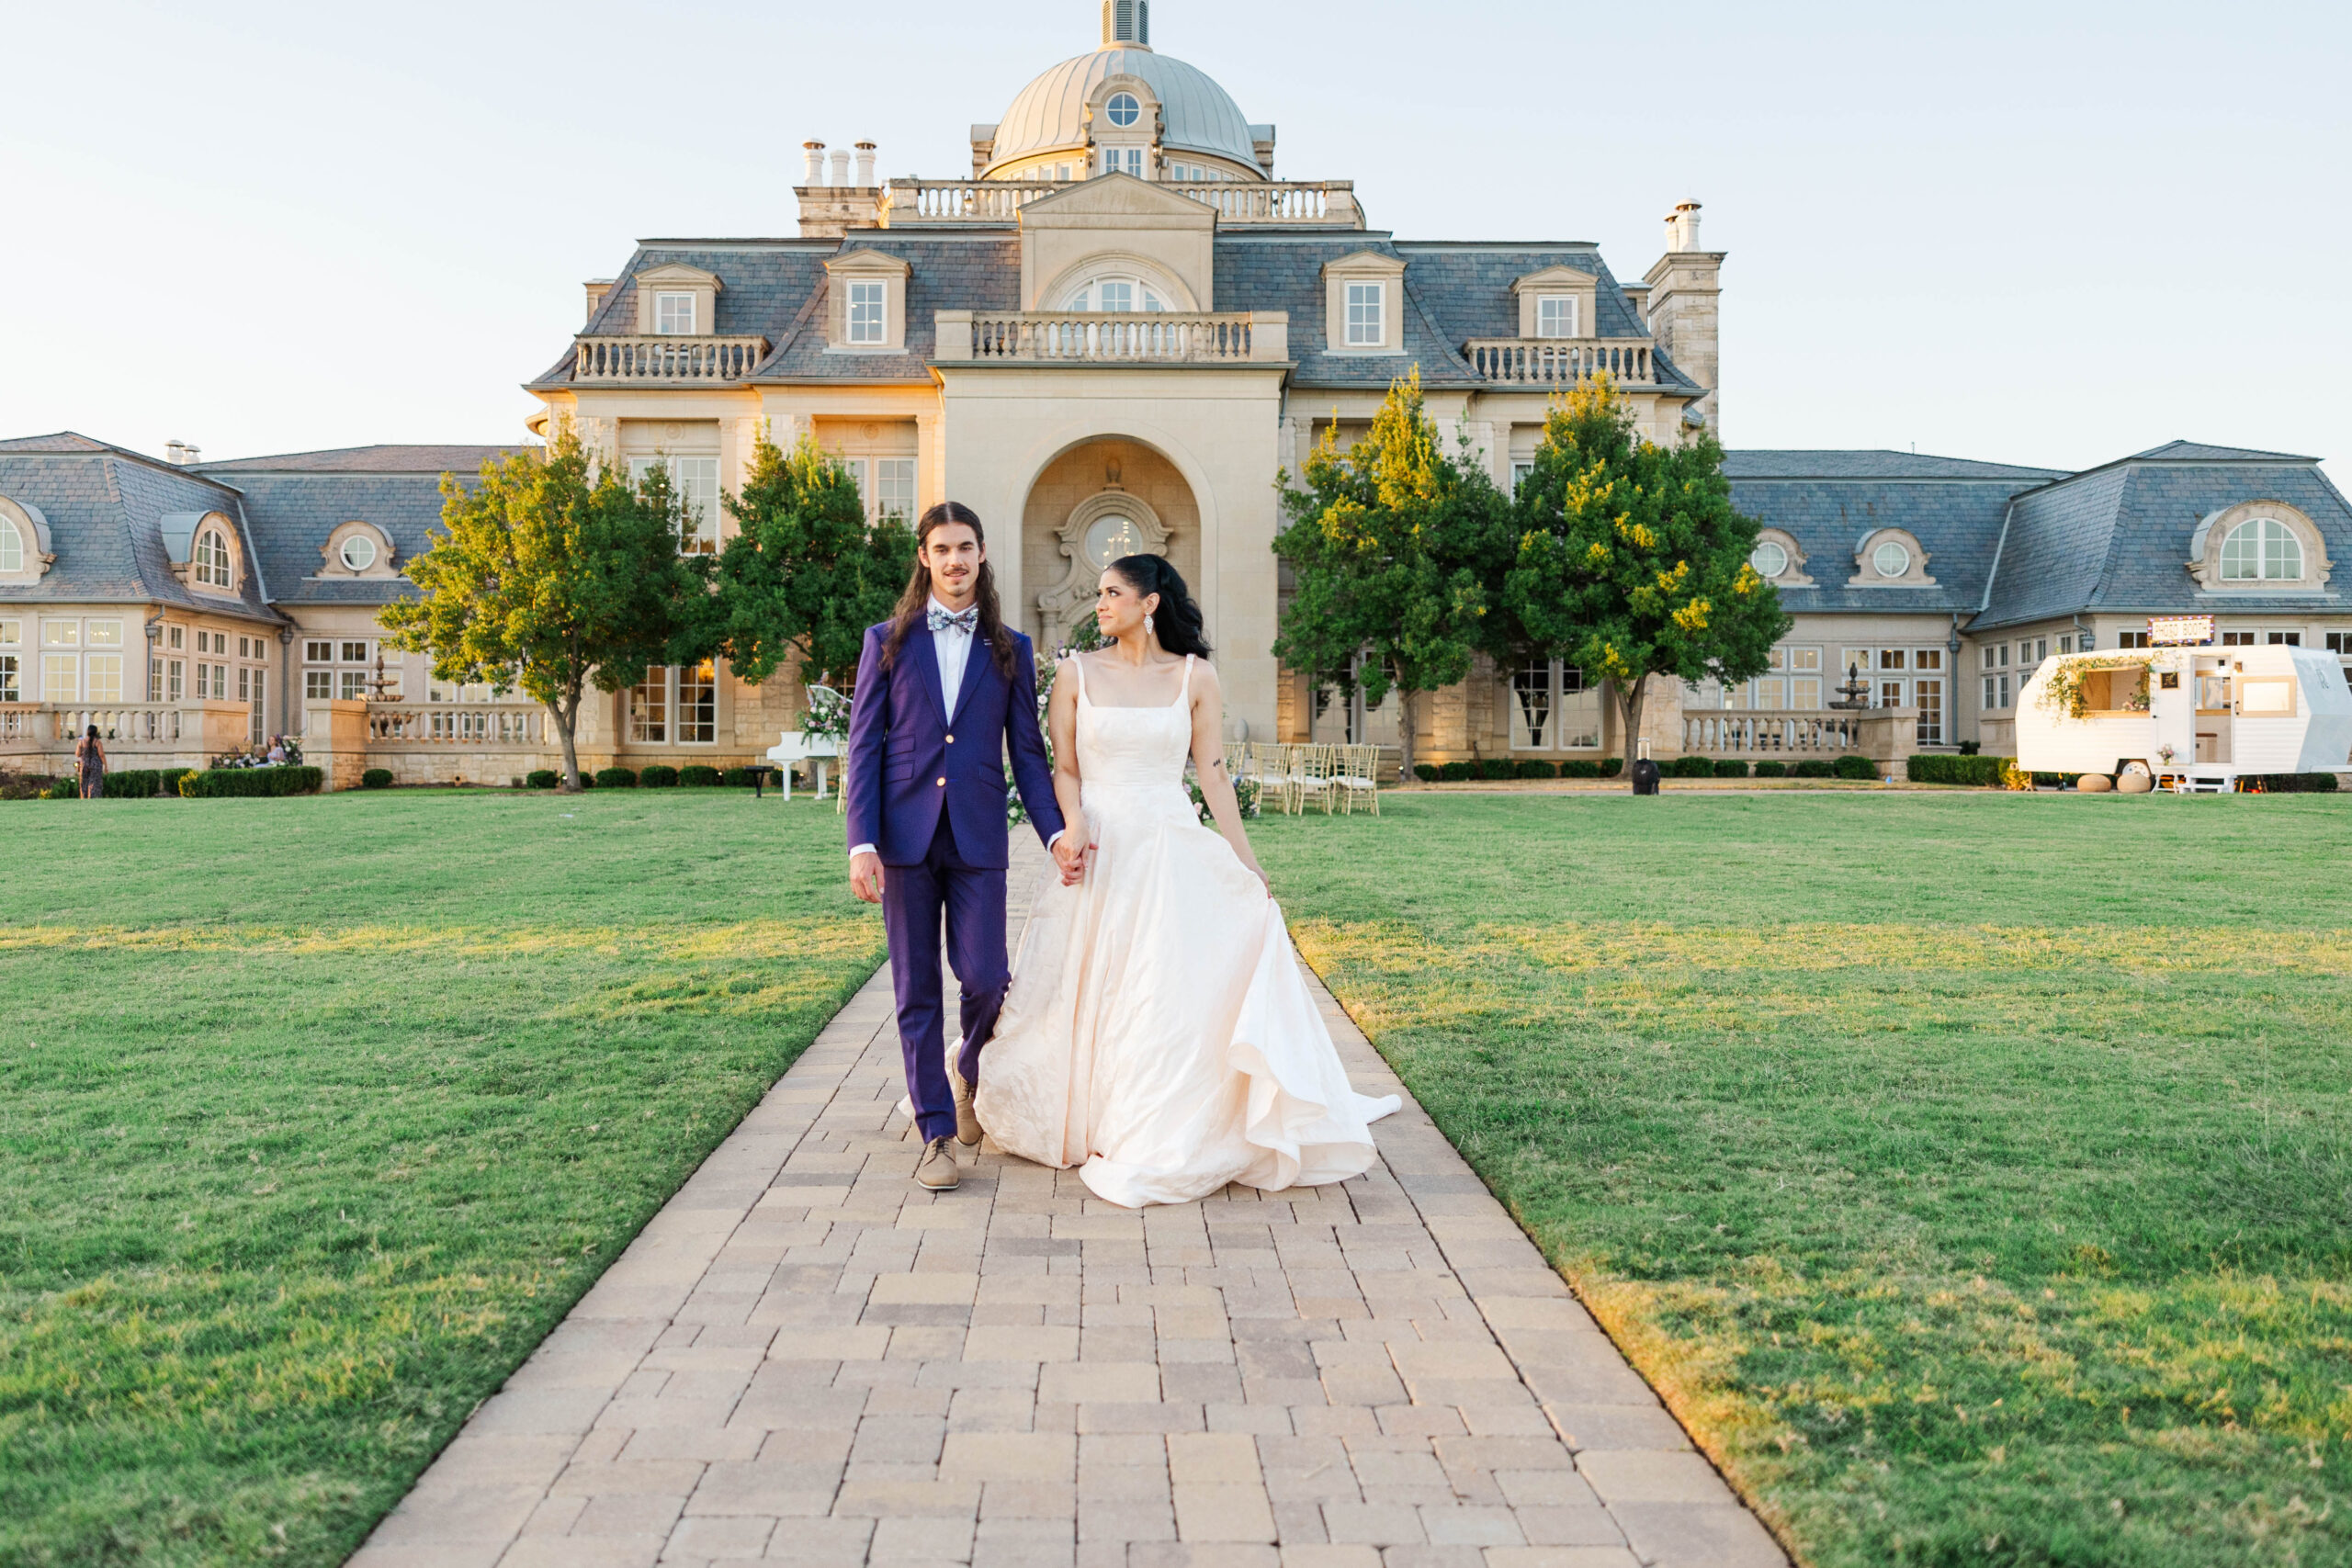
(182, 453)
(1685, 289)
(814, 174)
(1682, 227)
(841, 165)
(865, 166)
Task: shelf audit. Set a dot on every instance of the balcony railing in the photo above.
(1560, 362)
(668, 360)
(455, 724)
(1324, 204)
(1805, 733)
(135, 724)
(1003, 337)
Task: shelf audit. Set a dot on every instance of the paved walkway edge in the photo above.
(805, 1358)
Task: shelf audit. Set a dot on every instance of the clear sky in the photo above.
(2045, 233)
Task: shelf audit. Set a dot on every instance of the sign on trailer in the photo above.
(2180, 631)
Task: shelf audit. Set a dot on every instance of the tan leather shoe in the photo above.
(968, 1121)
(937, 1169)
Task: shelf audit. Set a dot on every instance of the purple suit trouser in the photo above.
(969, 900)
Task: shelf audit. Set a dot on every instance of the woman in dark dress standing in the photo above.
(90, 763)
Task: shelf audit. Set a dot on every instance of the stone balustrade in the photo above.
(182, 734)
(1155, 337)
(666, 360)
(455, 724)
(1814, 732)
(1561, 362)
(1322, 204)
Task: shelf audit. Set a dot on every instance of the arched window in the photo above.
(2262, 550)
(1769, 558)
(213, 559)
(1890, 559)
(1117, 294)
(12, 547)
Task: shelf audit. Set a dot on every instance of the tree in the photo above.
(549, 574)
(806, 574)
(1392, 544)
(1632, 561)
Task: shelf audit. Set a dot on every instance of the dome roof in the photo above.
(1050, 113)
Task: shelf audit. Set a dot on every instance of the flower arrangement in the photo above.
(2065, 689)
(2164, 754)
(828, 715)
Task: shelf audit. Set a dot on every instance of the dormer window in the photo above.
(2259, 547)
(2260, 550)
(358, 552)
(1890, 559)
(1363, 303)
(1367, 314)
(869, 313)
(1556, 316)
(673, 314)
(1123, 110)
(12, 547)
(212, 566)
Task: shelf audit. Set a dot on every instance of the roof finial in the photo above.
(1127, 23)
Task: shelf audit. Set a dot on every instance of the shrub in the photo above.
(1813, 768)
(375, 778)
(1730, 768)
(1772, 770)
(1860, 769)
(217, 783)
(2297, 783)
(700, 775)
(1497, 768)
(2053, 780)
(1536, 768)
(544, 778)
(61, 789)
(1426, 771)
(659, 775)
(1690, 765)
(733, 778)
(1580, 767)
(24, 786)
(1454, 772)
(133, 784)
(1612, 766)
(616, 778)
(1966, 769)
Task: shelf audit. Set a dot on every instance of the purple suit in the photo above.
(926, 788)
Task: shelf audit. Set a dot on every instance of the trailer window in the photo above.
(2272, 696)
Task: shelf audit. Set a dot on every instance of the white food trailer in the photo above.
(2194, 717)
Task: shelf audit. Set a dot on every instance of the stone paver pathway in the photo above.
(805, 1359)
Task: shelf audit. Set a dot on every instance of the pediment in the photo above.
(1554, 279)
(1117, 201)
(870, 262)
(677, 275)
(1364, 264)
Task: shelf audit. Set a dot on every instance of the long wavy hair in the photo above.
(916, 600)
(1177, 622)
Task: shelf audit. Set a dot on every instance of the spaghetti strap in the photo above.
(1184, 691)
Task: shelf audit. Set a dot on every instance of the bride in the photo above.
(1159, 1034)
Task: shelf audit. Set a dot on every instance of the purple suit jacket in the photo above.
(908, 760)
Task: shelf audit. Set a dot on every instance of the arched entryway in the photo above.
(1098, 501)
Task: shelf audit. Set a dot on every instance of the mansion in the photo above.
(1108, 335)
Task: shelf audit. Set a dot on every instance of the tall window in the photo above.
(1530, 718)
(674, 314)
(694, 481)
(868, 319)
(674, 704)
(1552, 709)
(2262, 551)
(1122, 161)
(698, 707)
(894, 488)
(60, 678)
(11, 678)
(12, 547)
(1367, 319)
(1556, 316)
(649, 708)
(213, 559)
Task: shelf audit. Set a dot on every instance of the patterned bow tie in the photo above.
(966, 621)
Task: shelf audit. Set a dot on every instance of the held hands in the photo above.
(866, 876)
(1069, 857)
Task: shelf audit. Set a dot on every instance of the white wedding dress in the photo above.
(1159, 1034)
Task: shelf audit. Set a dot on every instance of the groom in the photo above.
(945, 688)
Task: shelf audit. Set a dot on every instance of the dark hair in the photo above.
(1177, 622)
(916, 598)
(91, 733)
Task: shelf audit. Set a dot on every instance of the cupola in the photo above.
(1126, 22)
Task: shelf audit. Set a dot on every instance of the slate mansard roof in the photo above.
(777, 289)
(293, 502)
(106, 508)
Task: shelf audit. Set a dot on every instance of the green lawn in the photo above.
(1972, 1173)
(316, 1114)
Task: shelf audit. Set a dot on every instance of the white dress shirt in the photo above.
(953, 646)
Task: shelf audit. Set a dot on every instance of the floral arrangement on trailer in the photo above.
(2067, 688)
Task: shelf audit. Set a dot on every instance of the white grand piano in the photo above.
(799, 746)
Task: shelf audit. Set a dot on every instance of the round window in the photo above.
(1768, 559)
(359, 552)
(1891, 558)
(1108, 538)
(1123, 109)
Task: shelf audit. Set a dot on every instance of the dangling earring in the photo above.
(1147, 622)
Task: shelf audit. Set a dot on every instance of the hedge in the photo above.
(1455, 773)
(735, 778)
(1536, 768)
(1612, 766)
(659, 775)
(144, 784)
(1772, 770)
(1860, 769)
(1982, 771)
(2297, 784)
(1425, 771)
(1813, 768)
(616, 778)
(1497, 768)
(701, 775)
(375, 778)
(1730, 768)
(1580, 767)
(215, 783)
(1690, 766)
(544, 778)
